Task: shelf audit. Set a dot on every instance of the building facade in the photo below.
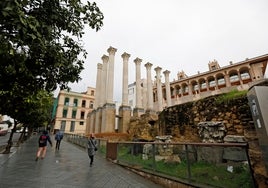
(72, 109)
(235, 76)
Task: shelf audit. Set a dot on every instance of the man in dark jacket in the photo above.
(42, 142)
(58, 138)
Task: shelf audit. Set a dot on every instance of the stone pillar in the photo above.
(149, 106)
(240, 79)
(216, 83)
(227, 80)
(105, 60)
(125, 57)
(108, 118)
(190, 89)
(167, 85)
(125, 109)
(207, 84)
(159, 88)
(144, 96)
(98, 86)
(138, 110)
(138, 82)
(108, 111)
(110, 80)
(91, 122)
(101, 94)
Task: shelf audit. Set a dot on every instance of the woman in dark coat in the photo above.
(92, 148)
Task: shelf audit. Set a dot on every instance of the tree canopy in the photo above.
(40, 47)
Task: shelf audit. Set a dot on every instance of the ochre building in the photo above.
(72, 110)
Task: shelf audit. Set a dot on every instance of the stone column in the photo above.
(227, 80)
(159, 88)
(125, 57)
(110, 81)
(207, 84)
(167, 85)
(138, 61)
(190, 89)
(239, 77)
(138, 110)
(108, 111)
(216, 82)
(125, 109)
(98, 86)
(105, 60)
(149, 106)
(96, 122)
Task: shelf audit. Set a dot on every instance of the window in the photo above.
(82, 115)
(75, 102)
(83, 103)
(130, 91)
(213, 67)
(81, 123)
(130, 103)
(92, 93)
(62, 126)
(91, 104)
(72, 128)
(74, 114)
(64, 113)
(66, 101)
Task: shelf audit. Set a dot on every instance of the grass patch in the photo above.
(227, 97)
(201, 172)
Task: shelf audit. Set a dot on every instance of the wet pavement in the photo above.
(66, 168)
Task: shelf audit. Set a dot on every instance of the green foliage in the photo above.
(40, 48)
(227, 97)
(39, 108)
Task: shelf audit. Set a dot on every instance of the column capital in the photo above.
(148, 65)
(99, 66)
(166, 72)
(137, 60)
(158, 69)
(125, 56)
(105, 58)
(111, 50)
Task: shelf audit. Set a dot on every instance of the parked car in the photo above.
(3, 132)
(3, 129)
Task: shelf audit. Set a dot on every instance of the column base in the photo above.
(137, 112)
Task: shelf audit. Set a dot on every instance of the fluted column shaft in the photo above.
(125, 57)
(167, 85)
(159, 88)
(110, 81)
(149, 86)
(103, 99)
(98, 86)
(138, 61)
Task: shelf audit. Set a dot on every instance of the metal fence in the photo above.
(202, 164)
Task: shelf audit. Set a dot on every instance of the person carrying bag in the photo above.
(92, 148)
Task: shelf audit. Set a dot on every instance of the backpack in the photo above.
(42, 139)
(58, 136)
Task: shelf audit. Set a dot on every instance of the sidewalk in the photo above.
(66, 168)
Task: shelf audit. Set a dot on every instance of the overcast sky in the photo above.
(175, 35)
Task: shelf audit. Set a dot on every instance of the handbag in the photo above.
(95, 148)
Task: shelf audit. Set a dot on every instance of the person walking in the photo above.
(58, 138)
(92, 148)
(42, 142)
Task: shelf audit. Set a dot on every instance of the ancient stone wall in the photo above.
(182, 121)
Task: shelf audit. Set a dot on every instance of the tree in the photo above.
(40, 47)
